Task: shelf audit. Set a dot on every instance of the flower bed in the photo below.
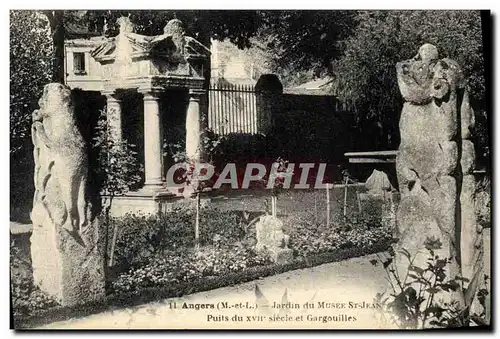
(159, 292)
(226, 247)
(157, 258)
(188, 265)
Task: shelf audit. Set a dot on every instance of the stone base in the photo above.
(271, 240)
(277, 255)
(69, 266)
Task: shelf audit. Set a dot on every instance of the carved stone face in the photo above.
(427, 52)
(174, 27)
(414, 80)
(424, 78)
(447, 77)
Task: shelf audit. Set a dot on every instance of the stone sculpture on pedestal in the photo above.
(66, 244)
(272, 241)
(435, 162)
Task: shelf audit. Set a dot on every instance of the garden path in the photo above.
(342, 283)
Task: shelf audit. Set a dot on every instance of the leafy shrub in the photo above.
(359, 230)
(227, 226)
(306, 243)
(223, 254)
(30, 66)
(237, 147)
(157, 251)
(117, 168)
(140, 237)
(426, 297)
(210, 144)
(358, 221)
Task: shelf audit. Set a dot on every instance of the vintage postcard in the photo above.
(250, 169)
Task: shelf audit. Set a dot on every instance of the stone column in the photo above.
(114, 115)
(194, 125)
(153, 152)
(435, 170)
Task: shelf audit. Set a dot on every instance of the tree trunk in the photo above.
(56, 21)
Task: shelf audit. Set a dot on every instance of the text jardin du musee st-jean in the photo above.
(319, 305)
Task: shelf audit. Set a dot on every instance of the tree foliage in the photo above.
(56, 21)
(118, 168)
(365, 73)
(30, 70)
(237, 26)
(302, 44)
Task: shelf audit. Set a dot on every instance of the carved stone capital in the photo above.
(196, 94)
(111, 96)
(150, 95)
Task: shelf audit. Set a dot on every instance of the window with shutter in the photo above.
(79, 63)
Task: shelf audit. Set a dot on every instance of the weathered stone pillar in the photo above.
(67, 245)
(429, 158)
(471, 239)
(194, 125)
(471, 233)
(114, 115)
(153, 152)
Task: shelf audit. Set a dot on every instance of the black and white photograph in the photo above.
(250, 169)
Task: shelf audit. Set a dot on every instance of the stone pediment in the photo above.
(106, 50)
(195, 49)
(130, 60)
(172, 46)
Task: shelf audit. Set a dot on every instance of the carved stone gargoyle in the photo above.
(435, 162)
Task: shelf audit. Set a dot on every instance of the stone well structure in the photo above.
(148, 66)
